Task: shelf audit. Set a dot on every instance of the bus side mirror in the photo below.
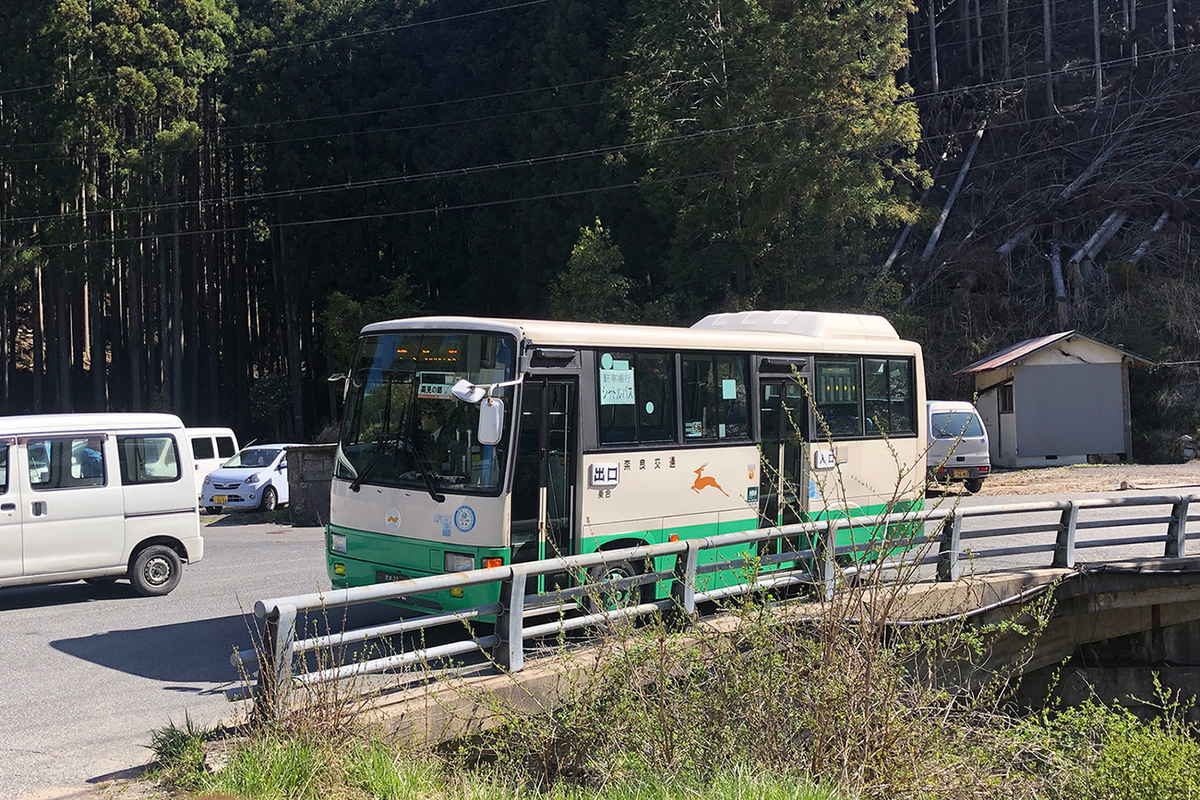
(491, 421)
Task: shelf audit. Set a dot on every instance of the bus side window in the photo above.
(838, 392)
(637, 397)
(4, 469)
(714, 397)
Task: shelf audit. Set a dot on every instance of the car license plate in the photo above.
(220, 499)
(958, 473)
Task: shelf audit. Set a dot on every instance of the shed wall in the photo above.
(1069, 409)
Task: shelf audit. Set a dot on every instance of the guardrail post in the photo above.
(949, 545)
(510, 623)
(683, 588)
(1177, 529)
(1064, 546)
(828, 562)
(275, 673)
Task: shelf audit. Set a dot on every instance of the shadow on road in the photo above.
(199, 651)
(62, 594)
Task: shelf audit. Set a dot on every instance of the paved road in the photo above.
(90, 671)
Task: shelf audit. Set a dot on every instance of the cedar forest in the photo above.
(202, 201)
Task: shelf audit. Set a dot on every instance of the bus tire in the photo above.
(155, 571)
(597, 601)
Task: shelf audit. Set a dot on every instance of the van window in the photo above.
(66, 463)
(3, 469)
(202, 447)
(148, 459)
(954, 424)
(225, 446)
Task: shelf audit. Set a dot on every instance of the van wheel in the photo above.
(155, 571)
(973, 485)
(270, 500)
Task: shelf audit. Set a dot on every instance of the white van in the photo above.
(958, 444)
(211, 447)
(97, 497)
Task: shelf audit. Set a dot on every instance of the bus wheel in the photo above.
(606, 598)
(155, 571)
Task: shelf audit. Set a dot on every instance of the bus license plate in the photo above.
(388, 577)
(220, 499)
(958, 473)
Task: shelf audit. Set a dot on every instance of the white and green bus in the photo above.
(472, 442)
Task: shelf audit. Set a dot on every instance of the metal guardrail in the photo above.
(517, 608)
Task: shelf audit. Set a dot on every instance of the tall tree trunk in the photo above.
(39, 341)
(62, 301)
(1096, 43)
(933, 54)
(964, 7)
(1047, 55)
(1005, 51)
(176, 302)
(1133, 43)
(979, 35)
(962, 176)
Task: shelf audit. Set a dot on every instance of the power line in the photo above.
(372, 183)
(591, 190)
(292, 45)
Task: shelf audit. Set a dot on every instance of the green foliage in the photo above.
(344, 317)
(592, 288)
(776, 142)
(1107, 753)
(178, 752)
(271, 401)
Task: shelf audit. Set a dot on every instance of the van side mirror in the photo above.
(491, 421)
(283, 465)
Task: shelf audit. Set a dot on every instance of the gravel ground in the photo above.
(1094, 478)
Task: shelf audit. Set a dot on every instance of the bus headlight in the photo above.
(459, 562)
(337, 542)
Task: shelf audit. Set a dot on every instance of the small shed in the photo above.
(1058, 399)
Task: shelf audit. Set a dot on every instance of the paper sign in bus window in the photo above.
(435, 385)
(616, 387)
(729, 389)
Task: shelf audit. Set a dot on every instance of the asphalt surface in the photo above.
(90, 671)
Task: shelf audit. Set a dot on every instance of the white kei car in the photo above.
(255, 478)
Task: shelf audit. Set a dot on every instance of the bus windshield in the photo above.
(404, 428)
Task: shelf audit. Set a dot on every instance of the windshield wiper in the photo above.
(357, 483)
(423, 471)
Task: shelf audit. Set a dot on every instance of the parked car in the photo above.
(255, 478)
(958, 444)
(96, 497)
(211, 447)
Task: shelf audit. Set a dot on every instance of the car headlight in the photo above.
(337, 542)
(459, 562)
(207, 480)
(253, 478)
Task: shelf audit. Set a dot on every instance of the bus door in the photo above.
(543, 497)
(783, 481)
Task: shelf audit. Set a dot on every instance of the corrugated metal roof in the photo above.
(1021, 350)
